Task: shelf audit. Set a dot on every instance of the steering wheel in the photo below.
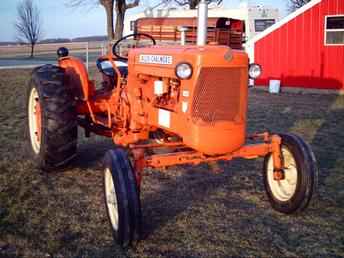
(136, 40)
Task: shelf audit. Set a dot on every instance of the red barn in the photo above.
(305, 49)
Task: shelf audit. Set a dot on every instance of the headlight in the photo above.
(184, 71)
(254, 71)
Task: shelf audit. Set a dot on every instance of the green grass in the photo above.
(188, 211)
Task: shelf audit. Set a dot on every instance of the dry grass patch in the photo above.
(188, 211)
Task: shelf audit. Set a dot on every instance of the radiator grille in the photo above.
(217, 95)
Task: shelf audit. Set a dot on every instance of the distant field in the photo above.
(10, 51)
(44, 49)
(188, 211)
(46, 53)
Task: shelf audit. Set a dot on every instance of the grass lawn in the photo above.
(188, 211)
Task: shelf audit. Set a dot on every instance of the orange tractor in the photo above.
(190, 100)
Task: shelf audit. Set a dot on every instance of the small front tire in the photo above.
(122, 198)
(294, 192)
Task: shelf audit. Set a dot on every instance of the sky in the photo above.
(61, 21)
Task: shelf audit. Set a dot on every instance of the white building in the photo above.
(257, 18)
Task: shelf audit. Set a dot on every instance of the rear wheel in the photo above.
(34, 120)
(294, 192)
(122, 198)
(51, 126)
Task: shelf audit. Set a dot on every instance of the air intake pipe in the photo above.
(202, 27)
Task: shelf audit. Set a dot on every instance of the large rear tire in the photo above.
(294, 192)
(51, 127)
(122, 198)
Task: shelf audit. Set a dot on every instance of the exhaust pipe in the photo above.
(202, 28)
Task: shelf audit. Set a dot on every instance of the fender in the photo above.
(77, 77)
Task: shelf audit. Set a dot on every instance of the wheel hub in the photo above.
(111, 199)
(35, 120)
(283, 184)
(38, 120)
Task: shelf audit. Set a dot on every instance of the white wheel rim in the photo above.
(111, 199)
(283, 190)
(33, 128)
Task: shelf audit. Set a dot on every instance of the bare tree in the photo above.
(193, 3)
(119, 6)
(296, 4)
(28, 24)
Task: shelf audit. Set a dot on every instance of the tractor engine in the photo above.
(196, 92)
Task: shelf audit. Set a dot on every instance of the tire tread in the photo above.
(59, 118)
(307, 185)
(129, 203)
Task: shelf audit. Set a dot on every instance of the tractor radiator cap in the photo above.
(62, 52)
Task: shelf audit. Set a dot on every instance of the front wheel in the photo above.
(294, 192)
(122, 197)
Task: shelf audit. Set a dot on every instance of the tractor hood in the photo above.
(164, 59)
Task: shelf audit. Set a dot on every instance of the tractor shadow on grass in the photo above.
(91, 152)
(177, 191)
(168, 194)
(191, 207)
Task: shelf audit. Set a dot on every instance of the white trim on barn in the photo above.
(331, 30)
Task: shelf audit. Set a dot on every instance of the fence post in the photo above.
(103, 47)
(87, 48)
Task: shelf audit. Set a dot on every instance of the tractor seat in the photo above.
(105, 67)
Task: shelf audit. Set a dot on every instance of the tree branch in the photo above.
(296, 4)
(193, 3)
(132, 5)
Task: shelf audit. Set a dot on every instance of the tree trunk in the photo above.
(119, 26)
(120, 11)
(108, 5)
(193, 4)
(32, 49)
